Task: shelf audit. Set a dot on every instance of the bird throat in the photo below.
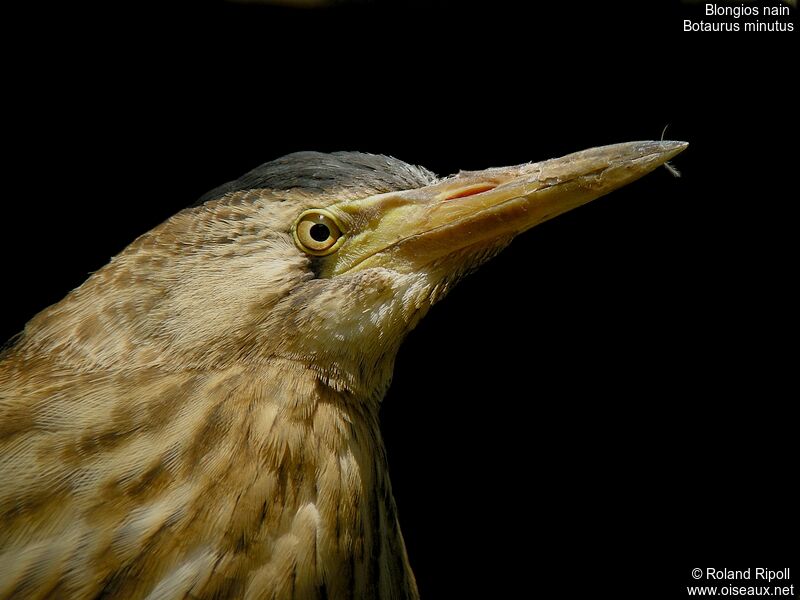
(329, 500)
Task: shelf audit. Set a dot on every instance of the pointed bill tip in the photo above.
(669, 148)
(648, 150)
(635, 158)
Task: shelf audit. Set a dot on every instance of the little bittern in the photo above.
(199, 419)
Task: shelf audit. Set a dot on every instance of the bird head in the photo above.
(326, 259)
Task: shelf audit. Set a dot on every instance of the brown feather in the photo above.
(199, 419)
(164, 434)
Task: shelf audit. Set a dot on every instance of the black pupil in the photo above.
(320, 232)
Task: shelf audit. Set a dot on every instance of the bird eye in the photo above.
(316, 232)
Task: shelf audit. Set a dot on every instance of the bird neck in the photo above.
(275, 482)
(263, 445)
(326, 449)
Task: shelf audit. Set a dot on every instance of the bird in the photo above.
(199, 419)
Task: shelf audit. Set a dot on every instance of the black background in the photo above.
(603, 407)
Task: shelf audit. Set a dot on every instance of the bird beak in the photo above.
(409, 230)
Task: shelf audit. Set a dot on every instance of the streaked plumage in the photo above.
(199, 418)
